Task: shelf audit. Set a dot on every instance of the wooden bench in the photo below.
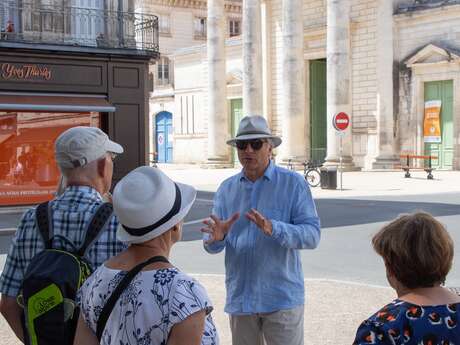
(408, 167)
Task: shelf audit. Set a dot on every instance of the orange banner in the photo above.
(432, 122)
(28, 171)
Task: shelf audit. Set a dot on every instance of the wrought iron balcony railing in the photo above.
(84, 27)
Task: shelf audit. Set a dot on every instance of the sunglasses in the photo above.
(255, 144)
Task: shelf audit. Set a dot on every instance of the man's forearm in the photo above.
(12, 314)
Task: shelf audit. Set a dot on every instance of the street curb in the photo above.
(7, 231)
(15, 209)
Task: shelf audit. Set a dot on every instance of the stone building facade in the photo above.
(377, 60)
(182, 24)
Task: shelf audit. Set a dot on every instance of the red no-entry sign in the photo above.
(341, 121)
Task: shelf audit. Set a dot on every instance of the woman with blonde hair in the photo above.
(417, 252)
(138, 297)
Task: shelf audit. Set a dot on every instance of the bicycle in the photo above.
(311, 173)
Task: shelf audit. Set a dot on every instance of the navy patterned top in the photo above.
(401, 322)
(147, 310)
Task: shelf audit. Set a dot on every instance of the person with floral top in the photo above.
(417, 252)
(161, 305)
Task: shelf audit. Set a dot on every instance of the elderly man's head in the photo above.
(254, 142)
(85, 157)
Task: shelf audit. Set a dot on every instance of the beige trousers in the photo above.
(284, 327)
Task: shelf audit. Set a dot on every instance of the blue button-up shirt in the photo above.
(264, 273)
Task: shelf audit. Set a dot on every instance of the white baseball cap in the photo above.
(81, 145)
(148, 203)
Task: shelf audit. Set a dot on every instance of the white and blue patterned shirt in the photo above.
(148, 308)
(72, 212)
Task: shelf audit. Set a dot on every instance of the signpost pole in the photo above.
(340, 162)
(341, 121)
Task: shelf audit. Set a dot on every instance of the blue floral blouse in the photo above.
(147, 310)
(401, 322)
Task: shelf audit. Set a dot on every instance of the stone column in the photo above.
(218, 131)
(252, 58)
(293, 65)
(266, 15)
(386, 131)
(338, 79)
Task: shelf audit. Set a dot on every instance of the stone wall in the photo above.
(415, 31)
(190, 114)
(363, 64)
(364, 81)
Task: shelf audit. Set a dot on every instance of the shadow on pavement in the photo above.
(332, 212)
(347, 212)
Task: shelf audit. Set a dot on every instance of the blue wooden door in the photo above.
(164, 137)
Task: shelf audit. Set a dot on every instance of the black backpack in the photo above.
(52, 279)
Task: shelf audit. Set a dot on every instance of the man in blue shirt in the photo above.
(262, 217)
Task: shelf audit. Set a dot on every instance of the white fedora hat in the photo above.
(148, 203)
(254, 127)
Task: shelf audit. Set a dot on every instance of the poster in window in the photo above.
(28, 170)
(432, 122)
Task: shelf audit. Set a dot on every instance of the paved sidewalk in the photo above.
(334, 309)
(355, 184)
(332, 313)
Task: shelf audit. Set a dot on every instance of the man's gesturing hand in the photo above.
(217, 229)
(264, 224)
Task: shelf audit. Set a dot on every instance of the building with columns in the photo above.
(182, 24)
(299, 62)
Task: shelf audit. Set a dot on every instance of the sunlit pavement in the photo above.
(357, 183)
(332, 313)
(345, 278)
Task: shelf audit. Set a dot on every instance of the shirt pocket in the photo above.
(273, 214)
(270, 214)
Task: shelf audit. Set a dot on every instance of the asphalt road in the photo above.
(345, 252)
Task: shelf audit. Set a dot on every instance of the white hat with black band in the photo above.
(148, 203)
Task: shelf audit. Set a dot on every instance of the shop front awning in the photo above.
(54, 103)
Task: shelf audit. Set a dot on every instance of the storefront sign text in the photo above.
(24, 72)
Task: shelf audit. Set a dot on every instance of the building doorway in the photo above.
(442, 91)
(164, 137)
(236, 111)
(318, 110)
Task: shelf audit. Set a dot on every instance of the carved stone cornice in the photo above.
(233, 6)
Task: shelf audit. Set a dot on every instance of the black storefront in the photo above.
(46, 88)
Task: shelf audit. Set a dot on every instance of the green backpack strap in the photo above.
(95, 226)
